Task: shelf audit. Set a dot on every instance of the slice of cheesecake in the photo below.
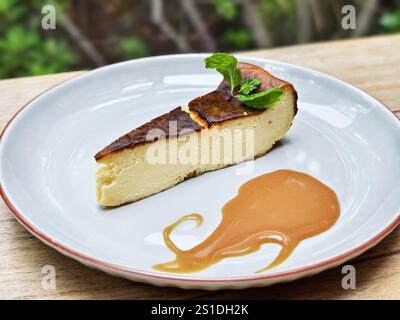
(212, 132)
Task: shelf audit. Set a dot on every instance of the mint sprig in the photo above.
(243, 90)
(263, 99)
(249, 85)
(225, 64)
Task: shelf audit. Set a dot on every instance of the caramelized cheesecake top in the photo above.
(219, 106)
(153, 130)
(211, 109)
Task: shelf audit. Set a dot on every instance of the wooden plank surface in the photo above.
(372, 64)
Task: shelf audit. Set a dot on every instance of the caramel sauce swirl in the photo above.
(282, 207)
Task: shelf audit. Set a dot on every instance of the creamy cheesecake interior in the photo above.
(132, 167)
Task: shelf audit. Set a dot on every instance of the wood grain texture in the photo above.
(371, 64)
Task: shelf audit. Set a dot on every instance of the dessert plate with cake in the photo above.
(204, 171)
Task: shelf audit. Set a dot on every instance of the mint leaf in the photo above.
(249, 85)
(220, 60)
(234, 77)
(226, 65)
(261, 100)
(242, 90)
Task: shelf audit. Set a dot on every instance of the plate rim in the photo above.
(101, 264)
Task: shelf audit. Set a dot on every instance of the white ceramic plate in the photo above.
(340, 135)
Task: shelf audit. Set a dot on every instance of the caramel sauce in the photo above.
(282, 207)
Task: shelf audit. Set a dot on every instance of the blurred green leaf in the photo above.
(133, 48)
(273, 10)
(226, 9)
(390, 21)
(268, 10)
(287, 6)
(24, 48)
(240, 38)
(10, 10)
(25, 53)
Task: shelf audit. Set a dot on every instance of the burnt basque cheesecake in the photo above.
(127, 174)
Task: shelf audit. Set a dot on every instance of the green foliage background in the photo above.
(26, 49)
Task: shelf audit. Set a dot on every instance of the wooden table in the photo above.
(371, 64)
